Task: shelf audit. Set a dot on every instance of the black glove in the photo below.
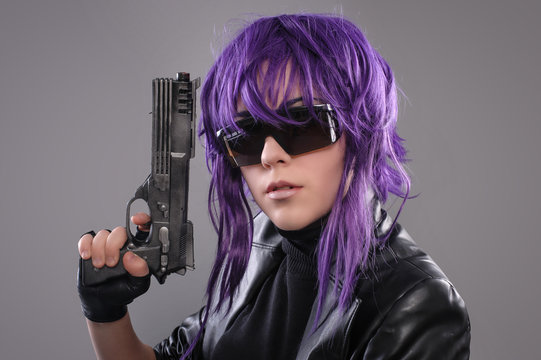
(107, 302)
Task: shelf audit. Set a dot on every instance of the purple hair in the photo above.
(331, 60)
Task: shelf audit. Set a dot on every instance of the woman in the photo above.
(298, 114)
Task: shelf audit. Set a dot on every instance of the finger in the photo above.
(85, 246)
(98, 248)
(115, 241)
(135, 265)
(142, 221)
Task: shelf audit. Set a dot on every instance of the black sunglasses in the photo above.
(243, 147)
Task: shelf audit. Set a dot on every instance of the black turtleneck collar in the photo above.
(300, 247)
(305, 239)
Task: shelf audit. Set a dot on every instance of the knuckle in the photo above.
(99, 241)
(84, 240)
(102, 233)
(118, 229)
(86, 237)
(142, 217)
(117, 238)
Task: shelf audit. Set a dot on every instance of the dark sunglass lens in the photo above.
(247, 159)
(246, 146)
(312, 135)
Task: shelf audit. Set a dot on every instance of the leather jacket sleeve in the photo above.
(430, 321)
(180, 339)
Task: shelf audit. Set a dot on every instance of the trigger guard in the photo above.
(141, 237)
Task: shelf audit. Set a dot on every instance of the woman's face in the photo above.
(294, 191)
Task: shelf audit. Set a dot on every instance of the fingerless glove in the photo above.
(107, 302)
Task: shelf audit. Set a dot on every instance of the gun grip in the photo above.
(91, 275)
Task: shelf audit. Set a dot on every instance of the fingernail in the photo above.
(110, 261)
(97, 262)
(84, 255)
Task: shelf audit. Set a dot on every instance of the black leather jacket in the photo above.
(408, 310)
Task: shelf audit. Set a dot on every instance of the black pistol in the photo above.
(168, 247)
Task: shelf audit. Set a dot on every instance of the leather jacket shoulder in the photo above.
(406, 308)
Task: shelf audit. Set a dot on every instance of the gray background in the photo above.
(75, 138)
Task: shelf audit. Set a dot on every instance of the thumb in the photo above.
(135, 265)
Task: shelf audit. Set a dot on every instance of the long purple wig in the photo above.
(329, 58)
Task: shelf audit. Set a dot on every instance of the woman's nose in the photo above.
(273, 153)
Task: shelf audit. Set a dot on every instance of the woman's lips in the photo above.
(282, 190)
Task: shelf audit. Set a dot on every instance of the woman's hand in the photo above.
(104, 247)
(107, 301)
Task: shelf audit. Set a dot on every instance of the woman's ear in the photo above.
(349, 177)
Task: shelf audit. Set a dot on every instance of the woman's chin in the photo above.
(290, 222)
